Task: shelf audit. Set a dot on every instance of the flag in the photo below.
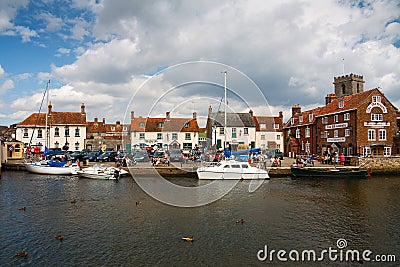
(46, 151)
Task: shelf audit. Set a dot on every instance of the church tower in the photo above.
(349, 84)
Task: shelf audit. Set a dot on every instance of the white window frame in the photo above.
(292, 121)
(336, 133)
(382, 134)
(221, 131)
(300, 119)
(376, 117)
(298, 133)
(310, 117)
(325, 120)
(371, 135)
(341, 104)
(174, 136)
(263, 137)
(347, 132)
(188, 136)
(387, 151)
(159, 136)
(336, 118)
(376, 98)
(367, 151)
(246, 131)
(346, 116)
(307, 132)
(307, 147)
(141, 124)
(141, 135)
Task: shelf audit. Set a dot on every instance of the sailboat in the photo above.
(58, 164)
(230, 169)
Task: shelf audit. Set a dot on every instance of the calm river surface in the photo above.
(104, 226)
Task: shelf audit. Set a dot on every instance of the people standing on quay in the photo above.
(342, 159)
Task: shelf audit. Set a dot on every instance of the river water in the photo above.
(116, 224)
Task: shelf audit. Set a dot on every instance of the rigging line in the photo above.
(214, 123)
(37, 119)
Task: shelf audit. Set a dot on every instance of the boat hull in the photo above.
(101, 173)
(44, 169)
(231, 170)
(330, 173)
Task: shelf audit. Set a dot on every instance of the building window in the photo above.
(159, 136)
(187, 136)
(376, 98)
(56, 132)
(376, 117)
(307, 147)
(325, 120)
(307, 132)
(39, 133)
(77, 146)
(124, 128)
(246, 131)
(382, 134)
(298, 133)
(291, 121)
(141, 135)
(174, 136)
(262, 137)
(160, 124)
(233, 132)
(186, 125)
(326, 134)
(263, 126)
(278, 146)
(56, 144)
(336, 133)
(341, 104)
(371, 135)
(350, 151)
(387, 151)
(310, 117)
(336, 118)
(66, 132)
(276, 125)
(300, 119)
(367, 151)
(221, 131)
(26, 133)
(141, 124)
(302, 145)
(347, 132)
(278, 137)
(77, 132)
(187, 146)
(346, 116)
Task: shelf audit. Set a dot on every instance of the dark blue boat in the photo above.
(311, 172)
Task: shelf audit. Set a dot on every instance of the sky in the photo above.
(151, 57)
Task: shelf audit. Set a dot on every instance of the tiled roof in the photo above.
(268, 121)
(55, 118)
(167, 125)
(95, 127)
(305, 116)
(233, 119)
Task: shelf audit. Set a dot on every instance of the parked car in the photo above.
(175, 155)
(78, 155)
(92, 156)
(141, 156)
(274, 153)
(107, 156)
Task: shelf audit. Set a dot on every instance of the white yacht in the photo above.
(231, 169)
(102, 172)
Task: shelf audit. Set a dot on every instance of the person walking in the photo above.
(342, 159)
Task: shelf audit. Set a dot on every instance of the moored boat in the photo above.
(231, 170)
(102, 172)
(329, 173)
(39, 168)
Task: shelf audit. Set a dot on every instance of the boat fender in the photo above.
(369, 172)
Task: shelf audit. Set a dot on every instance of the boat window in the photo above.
(245, 166)
(226, 166)
(236, 166)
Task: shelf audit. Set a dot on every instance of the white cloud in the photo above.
(7, 85)
(1, 71)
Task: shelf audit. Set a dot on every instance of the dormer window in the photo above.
(160, 124)
(310, 117)
(276, 125)
(112, 128)
(341, 104)
(186, 125)
(292, 121)
(141, 124)
(300, 119)
(376, 98)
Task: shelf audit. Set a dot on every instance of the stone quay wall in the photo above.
(384, 165)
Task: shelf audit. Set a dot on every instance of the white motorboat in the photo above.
(231, 169)
(39, 168)
(102, 172)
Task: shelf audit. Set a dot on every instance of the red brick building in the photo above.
(352, 122)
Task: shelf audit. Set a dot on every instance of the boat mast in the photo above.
(226, 103)
(46, 142)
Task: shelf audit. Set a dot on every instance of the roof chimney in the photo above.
(118, 122)
(296, 109)
(83, 108)
(104, 120)
(132, 115)
(251, 112)
(329, 98)
(281, 115)
(209, 110)
(96, 119)
(194, 115)
(167, 115)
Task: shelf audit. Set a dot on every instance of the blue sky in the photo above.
(101, 52)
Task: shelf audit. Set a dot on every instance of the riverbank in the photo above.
(177, 169)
